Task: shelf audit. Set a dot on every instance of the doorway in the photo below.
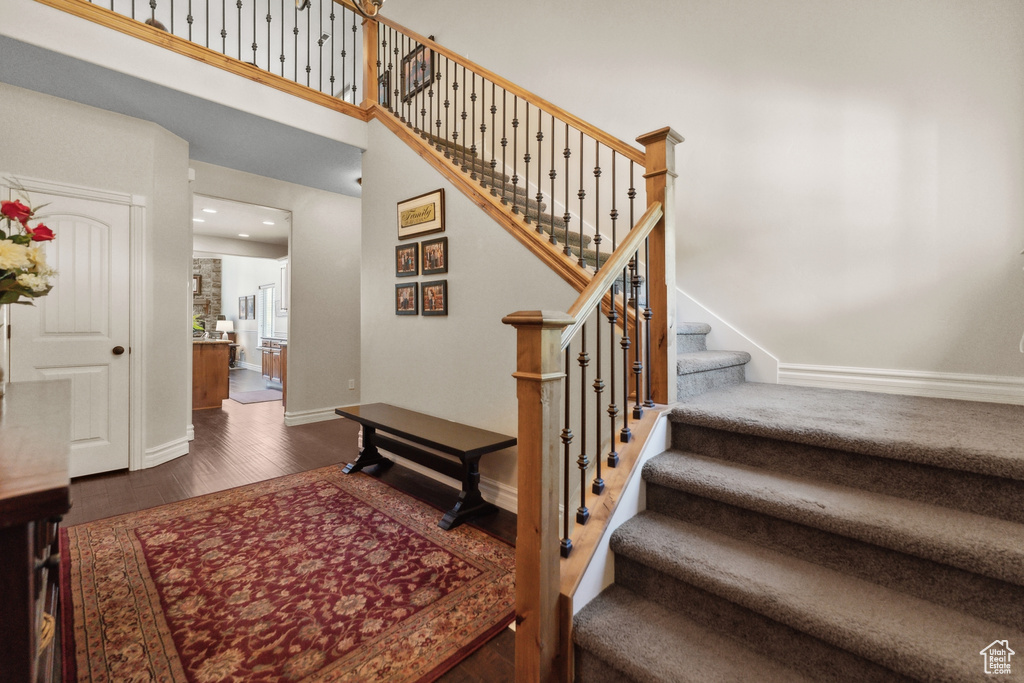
(240, 283)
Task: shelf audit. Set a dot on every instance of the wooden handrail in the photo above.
(624, 148)
(595, 291)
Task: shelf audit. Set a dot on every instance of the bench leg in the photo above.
(471, 503)
(369, 456)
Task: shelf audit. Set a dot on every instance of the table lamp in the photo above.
(225, 326)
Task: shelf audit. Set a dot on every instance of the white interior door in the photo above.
(79, 331)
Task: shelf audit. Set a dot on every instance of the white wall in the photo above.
(242, 276)
(851, 188)
(53, 139)
(323, 318)
(460, 366)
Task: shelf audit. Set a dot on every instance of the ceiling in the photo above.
(214, 217)
(216, 134)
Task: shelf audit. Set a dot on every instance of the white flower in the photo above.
(38, 258)
(33, 282)
(13, 256)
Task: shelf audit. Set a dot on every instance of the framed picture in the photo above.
(417, 71)
(406, 301)
(435, 297)
(242, 315)
(384, 89)
(435, 256)
(250, 307)
(421, 215)
(197, 285)
(407, 260)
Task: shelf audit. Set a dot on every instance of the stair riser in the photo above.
(691, 343)
(981, 596)
(699, 382)
(592, 669)
(816, 658)
(978, 493)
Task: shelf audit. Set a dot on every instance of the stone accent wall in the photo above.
(207, 303)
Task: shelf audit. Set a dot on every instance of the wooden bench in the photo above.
(464, 442)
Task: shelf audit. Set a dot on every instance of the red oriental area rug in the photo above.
(317, 576)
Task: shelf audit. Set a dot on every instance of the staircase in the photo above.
(797, 534)
(533, 214)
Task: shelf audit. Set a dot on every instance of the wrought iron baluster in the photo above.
(625, 435)
(567, 153)
(613, 410)
(494, 148)
(472, 126)
(597, 487)
(447, 105)
(515, 153)
(270, 27)
(320, 50)
(295, 43)
(438, 82)
(282, 58)
(552, 175)
(540, 168)
(526, 165)
(238, 4)
(344, 52)
(648, 314)
(395, 69)
(582, 194)
(224, 27)
(455, 121)
(254, 46)
(172, 16)
(504, 144)
(152, 11)
(189, 18)
(429, 110)
(634, 267)
(464, 116)
(566, 436)
(207, 21)
(597, 206)
(355, 62)
(583, 461)
(614, 214)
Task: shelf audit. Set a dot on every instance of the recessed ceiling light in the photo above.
(209, 210)
(198, 220)
(268, 222)
(242, 234)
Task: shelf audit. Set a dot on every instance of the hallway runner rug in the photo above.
(260, 396)
(318, 576)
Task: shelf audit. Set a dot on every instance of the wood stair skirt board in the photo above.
(990, 388)
(816, 534)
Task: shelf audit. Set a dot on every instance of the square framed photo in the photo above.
(417, 71)
(384, 89)
(407, 260)
(435, 256)
(421, 215)
(435, 297)
(406, 299)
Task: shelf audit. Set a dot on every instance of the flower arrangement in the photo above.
(24, 273)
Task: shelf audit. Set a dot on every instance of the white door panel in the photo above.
(72, 332)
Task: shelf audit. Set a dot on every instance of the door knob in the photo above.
(118, 350)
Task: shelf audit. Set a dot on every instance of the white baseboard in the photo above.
(304, 417)
(249, 366)
(158, 455)
(988, 388)
(190, 433)
(502, 495)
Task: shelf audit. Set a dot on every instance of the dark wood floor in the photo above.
(242, 444)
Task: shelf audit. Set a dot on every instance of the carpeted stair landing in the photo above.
(801, 534)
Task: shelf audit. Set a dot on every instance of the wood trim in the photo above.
(595, 292)
(182, 46)
(624, 148)
(541, 247)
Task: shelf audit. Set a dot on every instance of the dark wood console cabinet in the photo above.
(35, 434)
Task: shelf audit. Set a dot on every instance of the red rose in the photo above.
(40, 233)
(15, 210)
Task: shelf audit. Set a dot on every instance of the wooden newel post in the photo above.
(661, 290)
(539, 388)
(370, 47)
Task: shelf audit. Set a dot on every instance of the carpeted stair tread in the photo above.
(987, 438)
(647, 642)
(691, 337)
(908, 635)
(975, 543)
(703, 361)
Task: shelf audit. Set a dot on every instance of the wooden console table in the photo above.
(35, 438)
(464, 442)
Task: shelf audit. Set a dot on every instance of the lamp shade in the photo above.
(225, 325)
